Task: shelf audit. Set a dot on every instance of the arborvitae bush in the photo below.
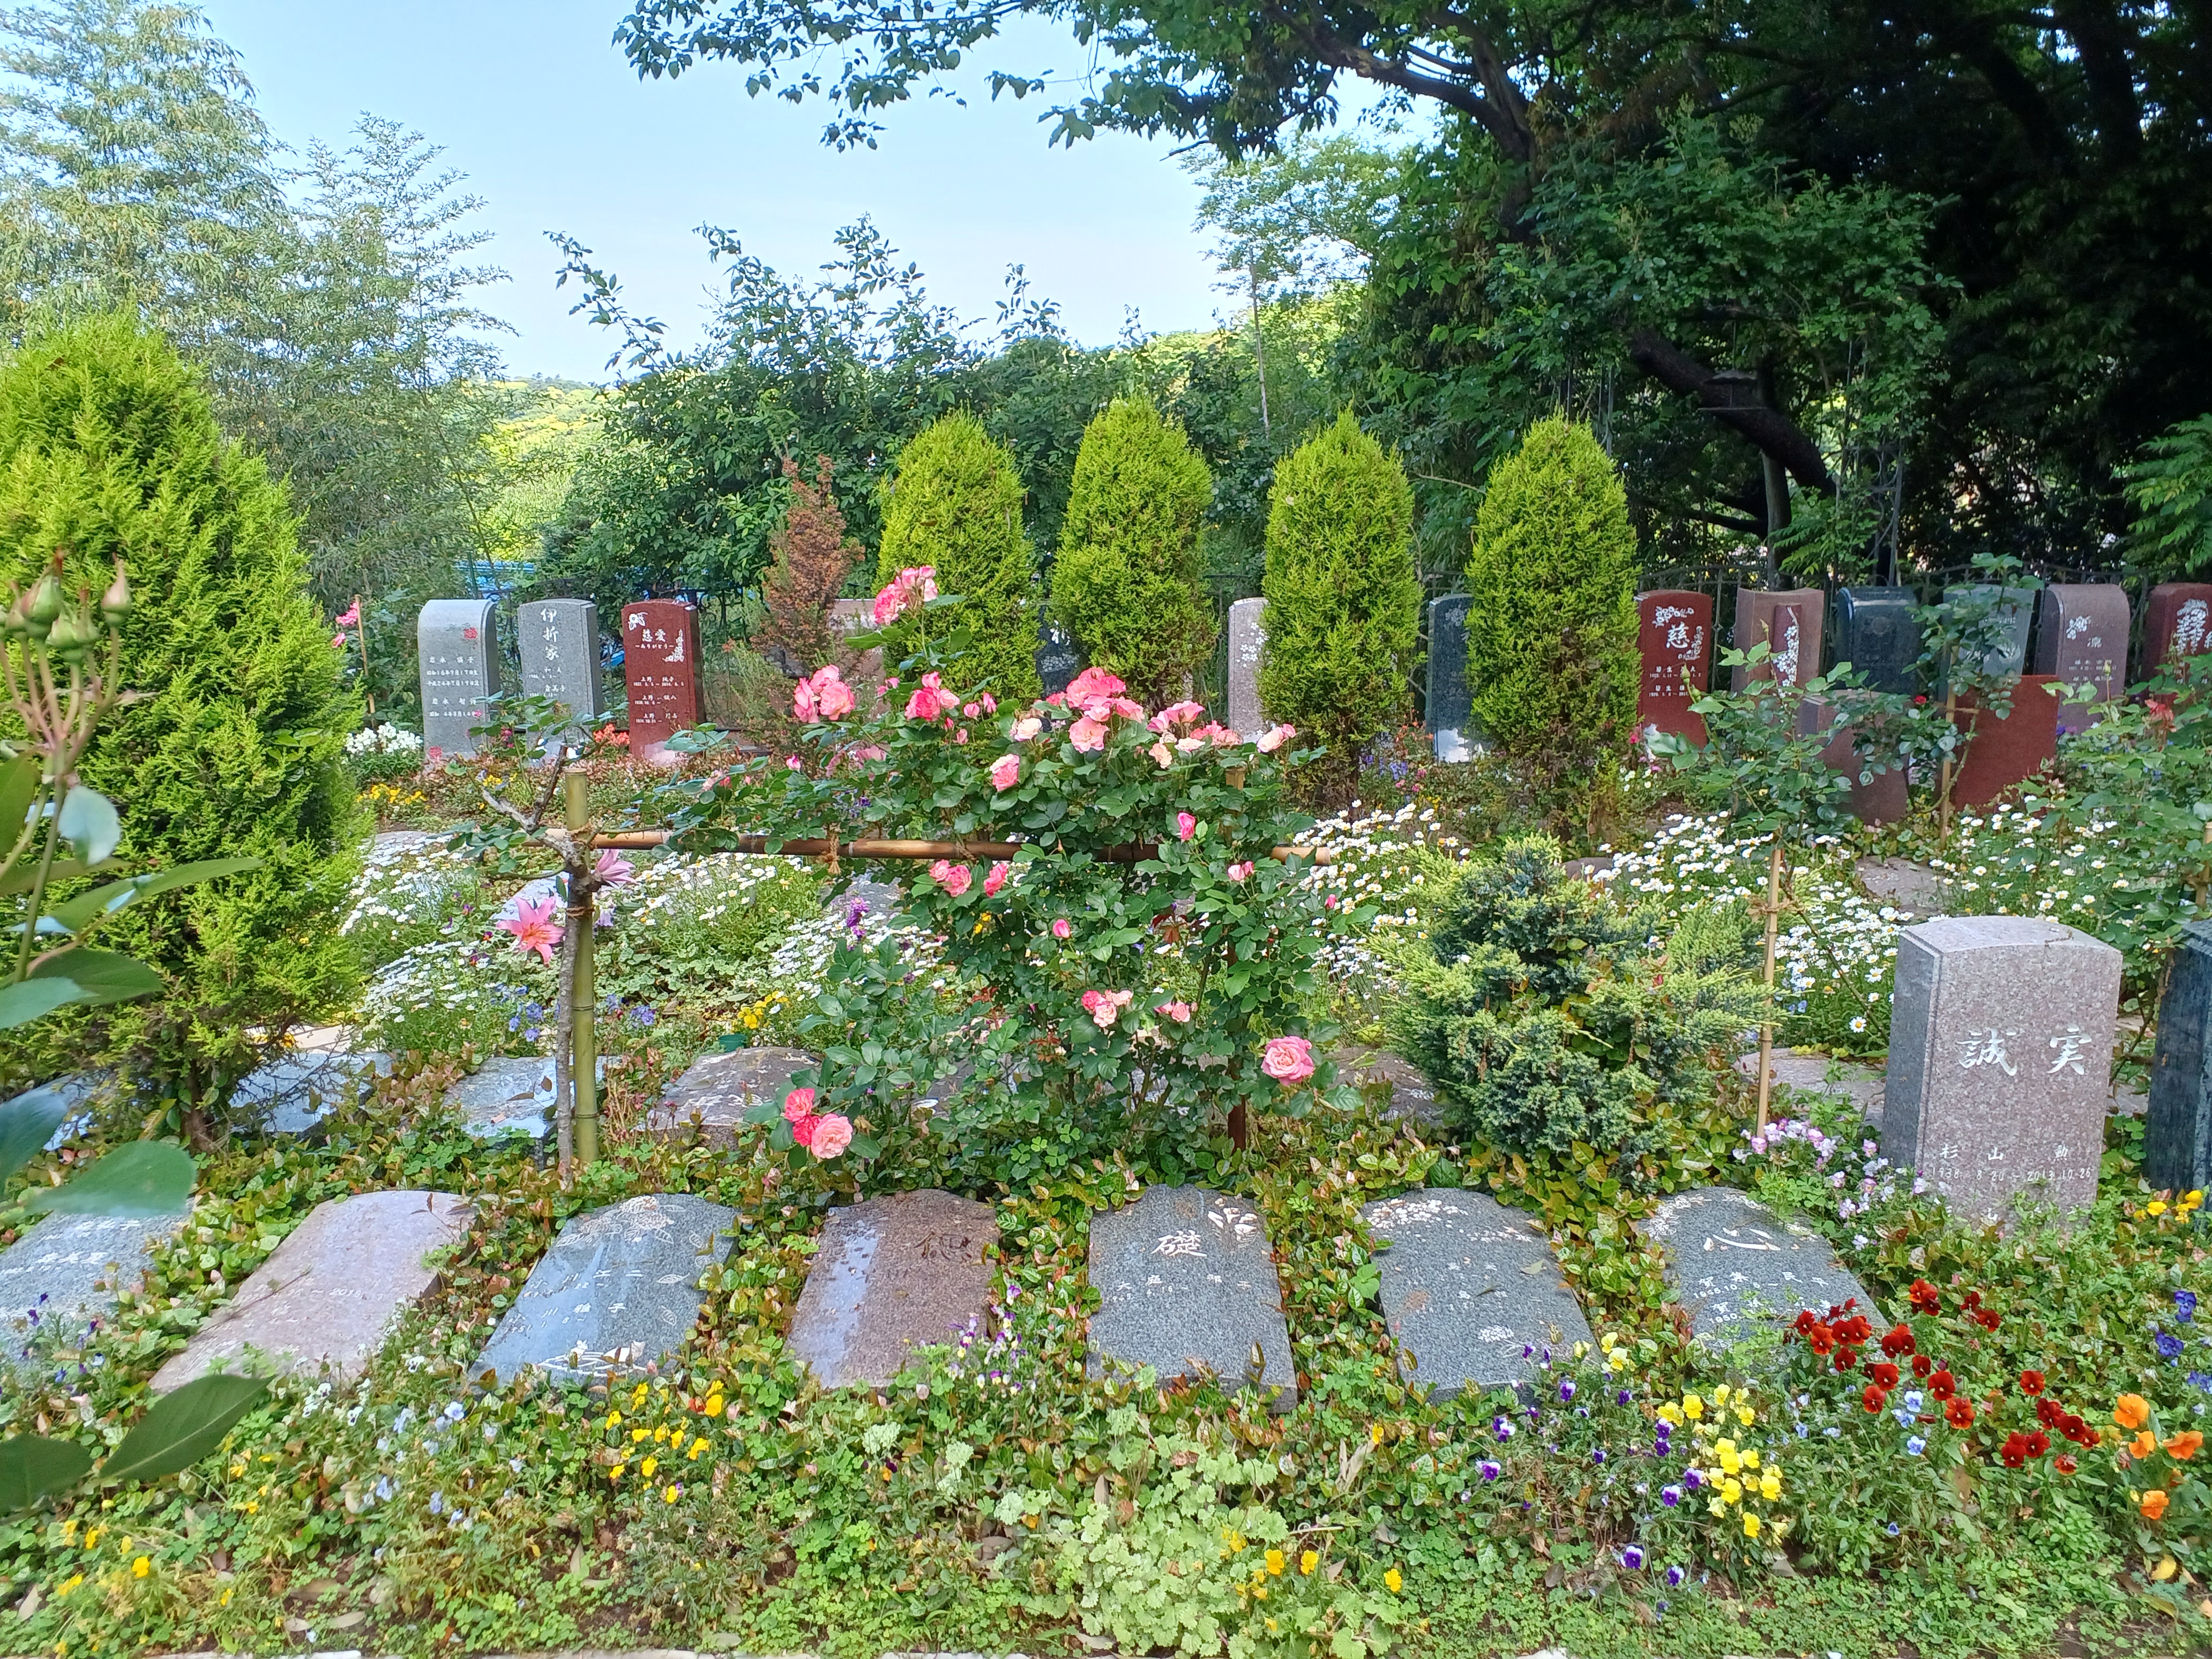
(1127, 584)
(109, 449)
(1344, 599)
(1550, 646)
(955, 502)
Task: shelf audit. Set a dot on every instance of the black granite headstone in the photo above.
(2177, 1126)
(1451, 698)
(1058, 661)
(1877, 634)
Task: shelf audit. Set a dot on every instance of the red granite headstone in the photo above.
(1675, 636)
(1884, 798)
(660, 669)
(2177, 622)
(2004, 753)
(1790, 624)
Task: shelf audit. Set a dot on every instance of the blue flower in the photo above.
(1915, 1446)
(2169, 1346)
(2198, 1380)
(1504, 1429)
(1694, 1479)
(1566, 1390)
(1632, 1557)
(1675, 1577)
(1623, 1398)
(1488, 1470)
(1598, 1456)
(1670, 1496)
(2185, 1305)
(1892, 1529)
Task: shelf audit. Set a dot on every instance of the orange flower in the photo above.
(2153, 1505)
(2131, 1411)
(2185, 1443)
(2143, 1444)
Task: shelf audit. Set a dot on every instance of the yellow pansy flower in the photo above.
(1750, 1458)
(1672, 1413)
(1770, 1487)
(142, 1566)
(647, 1467)
(1693, 1408)
(1751, 1526)
(1731, 1492)
(1275, 1563)
(1308, 1560)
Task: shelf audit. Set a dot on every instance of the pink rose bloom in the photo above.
(1087, 735)
(1057, 700)
(1179, 1012)
(961, 736)
(1288, 1059)
(1128, 710)
(1274, 737)
(831, 695)
(803, 1129)
(1027, 727)
(954, 878)
(798, 1104)
(888, 605)
(867, 751)
(920, 579)
(1160, 752)
(833, 1133)
(969, 710)
(1060, 929)
(997, 879)
(803, 706)
(1006, 771)
(1182, 714)
(1187, 746)
(613, 869)
(1238, 872)
(1093, 683)
(792, 763)
(1186, 826)
(1104, 1007)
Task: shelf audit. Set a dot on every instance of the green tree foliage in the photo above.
(1344, 602)
(1127, 584)
(1551, 641)
(2169, 486)
(109, 448)
(954, 504)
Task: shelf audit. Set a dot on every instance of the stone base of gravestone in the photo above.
(1818, 1074)
(2004, 754)
(330, 1289)
(891, 1275)
(619, 1289)
(874, 898)
(717, 1090)
(68, 1268)
(1916, 891)
(1472, 1290)
(1738, 1270)
(1187, 1284)
(1412, 1096)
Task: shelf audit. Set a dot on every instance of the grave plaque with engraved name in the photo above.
(1736, 1267)
(1248, 639)
(2177, 622)
(1675, 637)
(2008, 750)
(660, 669)
(560, 644)
(1877, 635)
(1450, 698)
(1788, 624)
(457, 649)
(2082, 638)
(2000, 1059)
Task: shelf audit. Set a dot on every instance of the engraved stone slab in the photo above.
(560, 642)
(1187, 1281)
(329, 1291)
(2001, 1060)
(660, 672)
(620, 1287)
(1471, 1290)
(717, 1089)
(2177, 622)
(1675, 642)
(1412, 1096)
(1248, 639)
(2177, 1129)
(1450, 698)
(506, 1094)
(1735, 1267)
(289, 1095)
(69, 1267)
(457, 652)
(1788, 624)
(891, 1275)
(1877, 634)
(2015, 608)
(2082, 638)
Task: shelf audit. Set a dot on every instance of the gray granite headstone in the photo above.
(2015, 609)
(1877, 635)
(457, 647)
(1471, 1290)
(619, 1288)
(507, 1094)
(2001, 1060)
(1058, 660)
(1412, 1096)
(717, 1089)
(69, 1267)
(291, 1094)
(1186, 1280)
(560, 647)
(1734, 1267)
(2081, 636)
(2178, 1128)
(1247, 642)
(890, 1275)
(329, 1292)
(1450, 698)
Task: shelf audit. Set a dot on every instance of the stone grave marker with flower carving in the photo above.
(660, 673)
(1187, 1283)
(1736, 1267)
(457, 649)
(893, 1274)
(1472, 1290)
(1248, 639)
(1788, 624)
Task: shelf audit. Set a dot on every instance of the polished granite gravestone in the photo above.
(329, 1292)
(2001, 1060)
(291, 1094)
(2006, 753)
(1673, 647)
(2016, 609)
(891, 1275)
(717, 1089)
(69, 1267)
(660, 673)
(620, 1287)
(1449, 704)
(1059, 659)
(1879, 791)
(2177, 622)
(560, 647)
(1789, 623)
(509, 1094)
(1734, 1267)
(1247, 641)
(457, 650)
(1472, 1290)
(1877, 635)
(1187, 1282)
(1412, 1096)
(2177, 1126)
(2082, 639)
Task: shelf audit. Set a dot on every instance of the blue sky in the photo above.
(545, 116)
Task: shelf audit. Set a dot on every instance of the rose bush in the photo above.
(1120, 983)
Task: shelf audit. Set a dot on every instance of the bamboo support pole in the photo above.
(1766, 1023)
(583, 996)
(819, 848)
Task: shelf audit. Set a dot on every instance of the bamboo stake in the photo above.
(583, 999)
(1766, 1021)
(815, 847)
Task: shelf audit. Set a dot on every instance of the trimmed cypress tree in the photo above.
(955, 502)
(109, 449)
(1344, 599)
(1127, 583)
(1550, 644)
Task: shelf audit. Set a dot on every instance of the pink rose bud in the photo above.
(1006, 771)
(1275, 737)
(1238, 872)
(1186, 826)
(1060, 929)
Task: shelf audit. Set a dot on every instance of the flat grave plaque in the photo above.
(893, 1274)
